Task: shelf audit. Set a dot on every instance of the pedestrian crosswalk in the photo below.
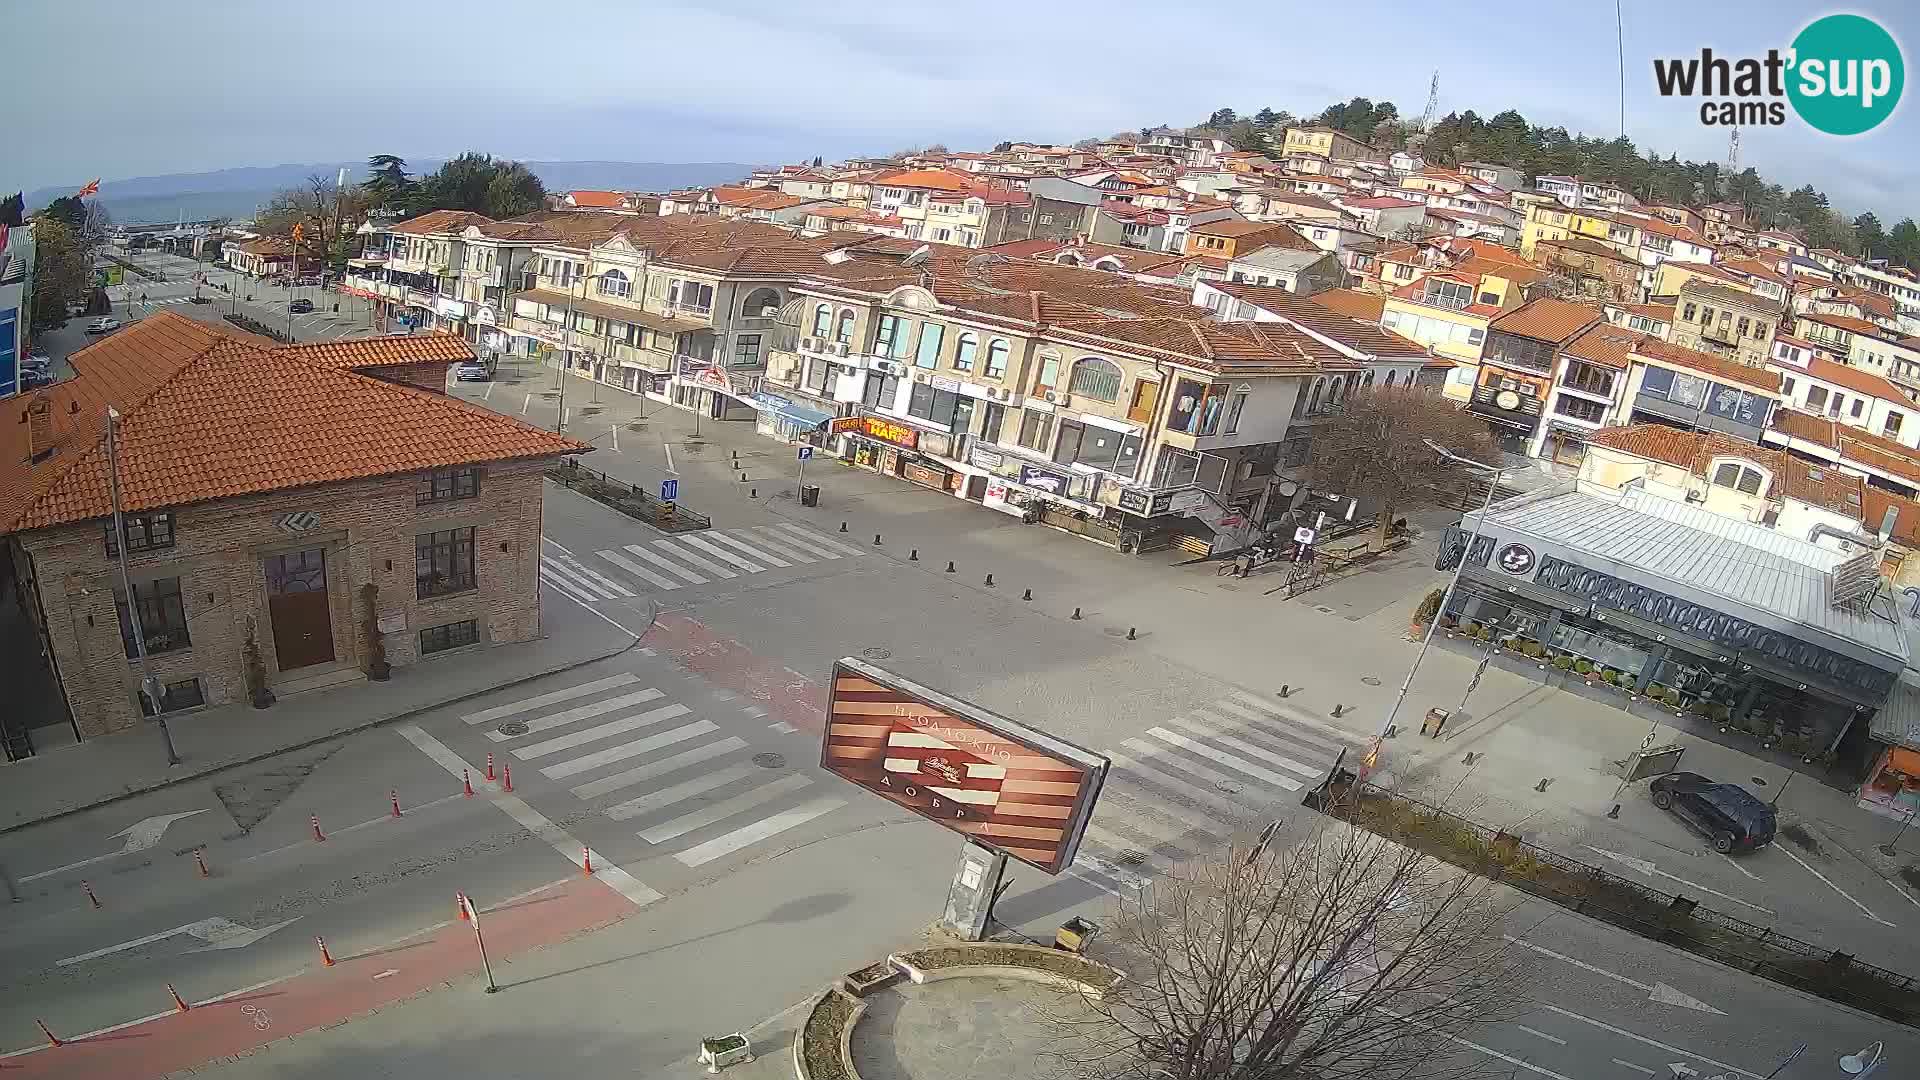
(686, 787)
(1182, 787)
(686, 560)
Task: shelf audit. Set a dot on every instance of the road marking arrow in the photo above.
(1645, 866)
(217, 932)
(140, 835)
(1660, 993)
(1681, 1068)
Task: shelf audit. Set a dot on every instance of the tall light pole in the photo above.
(149, 685)
(566, 352)
(1473, 537)
(1865, 1061)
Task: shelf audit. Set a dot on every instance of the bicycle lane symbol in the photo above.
(261, 1021)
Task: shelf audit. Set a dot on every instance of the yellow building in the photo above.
(1327, 143)
(1552, 221)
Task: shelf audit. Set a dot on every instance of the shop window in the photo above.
(175, 696)
(1116, 452)
(451, 636)
(163, 617)
(1036, 430)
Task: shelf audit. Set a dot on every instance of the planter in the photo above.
(870, 978)
(719, 1051)
(822, 1048)
(1030, 963)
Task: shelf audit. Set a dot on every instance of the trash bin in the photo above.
(809, 494)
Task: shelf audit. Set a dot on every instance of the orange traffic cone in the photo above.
(179, 1003)
(489, 765)
(460, 905)
(326, 958)
(52, 1039)
(586, 860)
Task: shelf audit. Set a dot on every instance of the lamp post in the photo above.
(1860, 1064)
(149, 685)
(1473, 537)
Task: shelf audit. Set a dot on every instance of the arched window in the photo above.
(761, 303)
(997, 359)
(1313, 401)
(1368, 380)
(964, 351)
(844, 332)
(822, 320)
(615, 283)
(1390, 376)
(1096, 378)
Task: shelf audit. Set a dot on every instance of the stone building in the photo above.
(272, 496)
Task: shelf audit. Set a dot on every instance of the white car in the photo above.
(105, 324)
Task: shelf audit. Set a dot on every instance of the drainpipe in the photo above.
(1823, 529)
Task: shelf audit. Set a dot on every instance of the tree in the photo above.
(1337, 955)
(69, 210)
(12, 209)
(1903, 243)
(388, 186)
(1221, 119)
(60, 272)
(1005, 145)
(326, 213)
(1868, 234)
(1242, 135)
(481, 184)
(1374, 447)
(1265, 118)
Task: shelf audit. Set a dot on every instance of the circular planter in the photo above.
(1029, 963)
(806, 1037)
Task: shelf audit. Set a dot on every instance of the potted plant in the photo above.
(377, 667)
(1563, 662)
(719, 1051)
(1470, 628)
(255, 670)
(1424, 613)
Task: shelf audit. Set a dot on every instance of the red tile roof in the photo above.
(598, 200)
(211, 415)
(1858, 380)
(1605, 344)
(937, 179)
(440, 222)
(1352, 303)
(1546, 319)
(1727, 371)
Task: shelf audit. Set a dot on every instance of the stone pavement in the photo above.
(77, 776)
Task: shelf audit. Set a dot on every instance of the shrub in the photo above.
(1563, 662)
(1428, 607)
(1583, 666)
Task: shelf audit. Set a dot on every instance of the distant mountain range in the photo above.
(236, 193)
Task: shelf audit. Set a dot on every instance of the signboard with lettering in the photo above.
(1046, 480)
(1006, 786)
(887, 431)
(840, 425)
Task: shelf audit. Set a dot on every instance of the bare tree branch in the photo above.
(1374, 446)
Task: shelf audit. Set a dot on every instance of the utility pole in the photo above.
(566, 352)
(149, 685)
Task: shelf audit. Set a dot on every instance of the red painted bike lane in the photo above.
(721, 661)
(325, 996)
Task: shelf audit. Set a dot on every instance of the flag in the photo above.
(92, 188)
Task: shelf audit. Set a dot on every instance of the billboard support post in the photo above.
(976, 885)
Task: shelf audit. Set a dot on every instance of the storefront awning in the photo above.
(1897, 723)
(791, 411)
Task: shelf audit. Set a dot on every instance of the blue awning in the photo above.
(792, 412)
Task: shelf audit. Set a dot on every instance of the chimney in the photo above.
(1887, 521)
(39, 429)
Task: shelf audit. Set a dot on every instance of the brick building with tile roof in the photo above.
(271, 494)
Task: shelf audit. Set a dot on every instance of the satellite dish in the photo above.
(917, 257)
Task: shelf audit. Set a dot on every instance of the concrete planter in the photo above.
(870, 978)
(1050, 967)
(808, 1038)
(719, 1051)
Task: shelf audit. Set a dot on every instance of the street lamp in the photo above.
(150, 687)
(1859, 1064)
(566, 352)
(1493, 484)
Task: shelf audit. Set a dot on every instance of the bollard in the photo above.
(51, 1039)
(743, 478)
(1615, 812)
(326, 958)
(1393, 731)
(1132, 633)
(586, 861)
(949, 566)
(318, 836)
(1542, 785)
(914, 555)
(989, 581)
(843, 526)
(200, 857)
(1076, 613)
(1468, 760)
(1285, 689)
(508, 773)
(753, 493)
(490, 765)
(395, 796)
(1338, 709)
(460, 905)
(876, 539)
(466, 781)
(179, 1003)
(1028, 595)
(91, 899)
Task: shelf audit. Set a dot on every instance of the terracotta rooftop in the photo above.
(440, 222)
(1806, 427)
(1858, 380)
(1606, 345)
(1814, 483)
(1352, 303)
(1845, 322)
(1546, 319)
(937, 179)
(1655, 442)
(597, 200)
(1354, 333)
(1726, 371)
(212, 415)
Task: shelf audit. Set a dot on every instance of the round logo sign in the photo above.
(1847, 74)
(1507, 400)
(1516, 558)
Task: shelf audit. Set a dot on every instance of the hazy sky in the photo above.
(116, 88)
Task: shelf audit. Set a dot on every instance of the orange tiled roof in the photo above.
(1605, 344)
(1546, 319)
(1655, 442)
(937, 179)
(435, 222)
(1859, 380)
(1352, 303)
(362, 353)
(211, 415)
(597, 200)
(1806, 427)
(1728, 371)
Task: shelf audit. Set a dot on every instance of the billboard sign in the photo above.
(1006, 786)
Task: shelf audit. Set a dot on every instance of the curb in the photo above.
(221, 766)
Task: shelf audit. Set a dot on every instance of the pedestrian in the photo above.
(336, 308)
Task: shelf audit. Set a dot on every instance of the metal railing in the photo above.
(1676, 921)
(634, 502)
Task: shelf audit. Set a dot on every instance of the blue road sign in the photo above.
(669, 489)
(806, 452)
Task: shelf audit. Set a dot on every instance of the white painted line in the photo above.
(783, 727)
(582, 712)
(602, 616)
(1292, 715)
(1659, 993)
(535, 822)
(1279, 727)
(686, 789)
(599, 579)
(786, 547)
(565, 588)
(1864, 910)
(566, 416)
(525, 405)
(1491, 1052)
(602, 731)
(713, 549)
(519, 896)
(1735, 863)
(658, 768)
(637, 570)
(725, 808)
(1231, 761)
(633, 749)
(1180, 833)
(613, 430)
(702, 854)
(818, 540)
(750, 551)
(1536, 1032)
(617, 559)
(1161, 758)
(501, 712)
(387, 974)
(700, 561)
(1120, 845)
(1199, 723)
(1602, 1025)
(1137, 772)
(795, 540)
(1645, 866)
(488, 396)
(544, 538)
(1631, 1065)
(668, 447)
(558, 566)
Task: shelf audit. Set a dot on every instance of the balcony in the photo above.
(420, 298)
(490, 278)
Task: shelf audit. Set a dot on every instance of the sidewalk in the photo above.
(75, 777)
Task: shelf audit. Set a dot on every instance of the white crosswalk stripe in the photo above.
(668, 565)
(637, 570)
(642, 773)
(775, 535)
(553, 579)
(707, 545)
(766, 827)
(603, 731)
(690, 559)
(581, 712)
(757, 552)
(501, 712)
(725, 808)
(624, 751)
(578, 581)
(816, 539)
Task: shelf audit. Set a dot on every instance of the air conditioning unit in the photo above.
(840, 348)
(810, 344)
(1052, 398)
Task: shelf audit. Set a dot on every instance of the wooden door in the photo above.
(297, 606)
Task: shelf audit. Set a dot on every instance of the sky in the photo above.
(116, 88)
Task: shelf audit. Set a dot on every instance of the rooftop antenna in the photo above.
(917, 257)
(1433, 103)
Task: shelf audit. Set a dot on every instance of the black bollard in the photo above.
(1076, 613)
(876, 539)
(989, 581)
(843, 526)
(949, 566)
(1285, 689)
(753, 493)
(1615, 812)
(1028, 595)
(914, 555)
(1542, 785)
(1132, 633)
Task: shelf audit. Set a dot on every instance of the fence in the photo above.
(255, 326)
(634, 502)
(1676, 921)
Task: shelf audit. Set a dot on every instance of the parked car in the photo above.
(105, 324)
(472, 371)
(1727, 814)
(299, 307)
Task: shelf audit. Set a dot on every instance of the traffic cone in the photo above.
(326, 958)
(460, 905)
(507, 772)
(91, 899)
(586, 861)
(490, 765)
(466, 781)
(395, 796)
(200, 856)
(52, 1040)
(179, 1003)
(318, 836)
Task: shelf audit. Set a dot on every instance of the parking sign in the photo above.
(805, 452)
(669, 489)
